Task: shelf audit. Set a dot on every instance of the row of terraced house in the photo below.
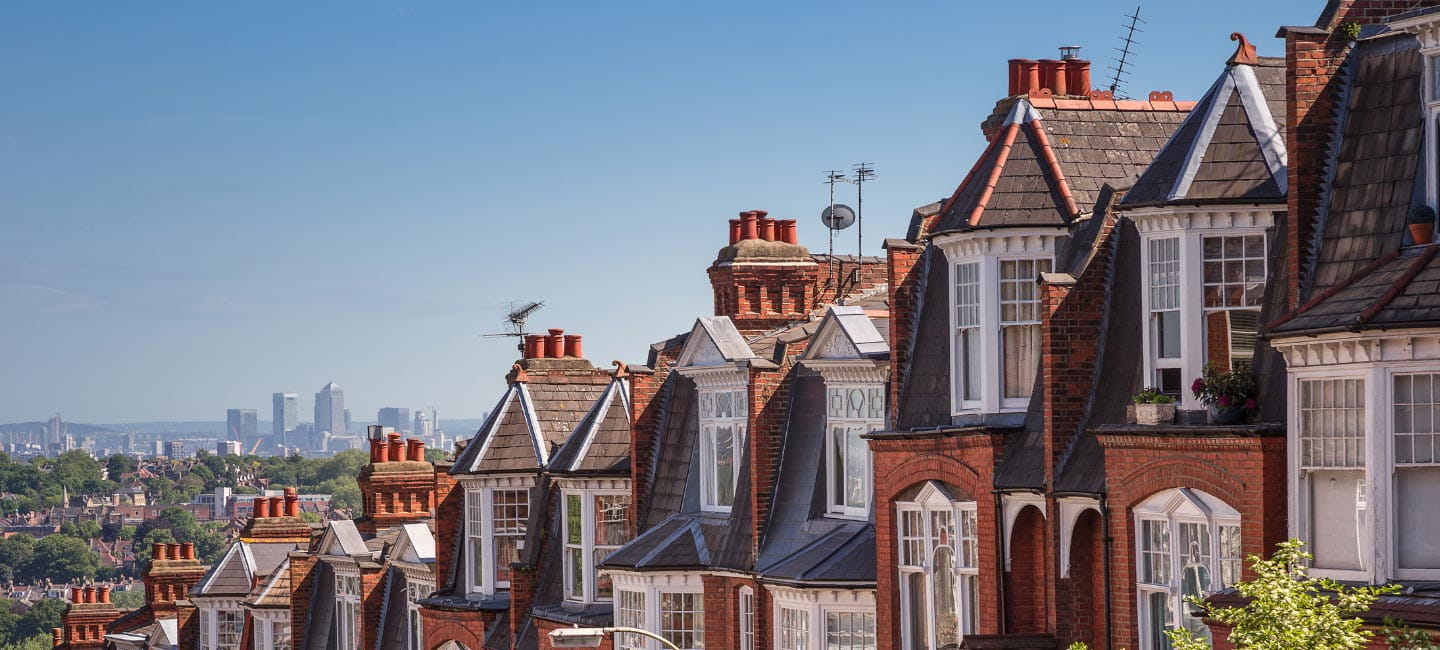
(934, 449)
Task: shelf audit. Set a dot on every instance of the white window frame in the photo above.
(1191, 226)
(813, 607)
(1048, 261)
(1300, 521)
(587, 545)
(1184, 506)
(988, 249)
(1430, 88)
(747, 618)
(739, 422)
(1400, 572)
(933, 499)
(870, 419)
(968, 322)
(348, 610)
(651, 586)
(210, 611)
(480, 501)
(415, 624)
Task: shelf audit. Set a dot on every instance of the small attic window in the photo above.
(722, 443)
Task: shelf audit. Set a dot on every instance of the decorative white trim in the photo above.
(716, 377)
(1010, 507)
(1221, 90)
(816, 603)
(600, 414)
(1070, 510)
(959, 246)
(537, 434)
(494, 426)
(1169, 219)
(497, 481)
(1367, 347)
(595, 484)
(849, 371)
(1267, 135)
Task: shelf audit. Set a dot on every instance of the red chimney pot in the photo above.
(89, 594)
(791, 236)
(172, 551)
(102, 593)
(1078, 77)
(187, 550)
(157, 550)
(397, 448)
(555, 344)
(1052, 73)
(76, 595)
(277, 507)
(767, 229)
(262, 508)
(534, 346)
(734, 231)
(749, 229)
(573, 347)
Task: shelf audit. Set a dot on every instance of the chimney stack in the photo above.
(172, 551)
(572, 346)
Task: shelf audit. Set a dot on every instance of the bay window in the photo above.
(1417, 471)
(228, 624)
(1188, 546)
(722, 443)
(596, 523)
(1204, 274)
(822, 619)
(415, 627)
(671, 605)
(495, 525)
(851, 411)
(794, 629)
(939, 569)
(348, 625)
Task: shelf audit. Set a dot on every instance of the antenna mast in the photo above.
(863, 172)
(1126, 49)
(831, 178)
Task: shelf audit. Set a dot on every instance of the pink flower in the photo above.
(1224, 401)
(1198, 386)
(1250, 404)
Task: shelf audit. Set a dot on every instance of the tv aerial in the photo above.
(515, 320)
(837, 217)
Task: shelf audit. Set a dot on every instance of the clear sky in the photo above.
(205, 203)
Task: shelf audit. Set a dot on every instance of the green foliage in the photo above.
(310, 516)
(1077, 646)
(1350, 30)
(1288, 609)
(63, 559)
(1400, 636)
(37, 642)
(118, 464)
(436, 455)
(128, 599)
(1152, 396)
(39, 620)
(16, 551)
(1226, 389)
(1420, 215)
(344, 492)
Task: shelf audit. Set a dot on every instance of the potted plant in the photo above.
(1422, 224)
(1153, 407)
(1230, 395)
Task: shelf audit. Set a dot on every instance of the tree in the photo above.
(1289, 610)
(40, 619)
(118, 464)
(16, 552)
(37, 642)
(344, 492)
(63, 559)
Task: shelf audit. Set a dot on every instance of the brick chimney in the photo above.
(87, 619)
(173, 570)
(763, 278)
(398, 486)
(277, 519)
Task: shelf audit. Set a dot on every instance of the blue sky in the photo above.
(208, 203)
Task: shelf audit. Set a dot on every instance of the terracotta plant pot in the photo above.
(1153, 414)
(1422, 233)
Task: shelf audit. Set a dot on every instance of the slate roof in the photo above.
(533, 419)
(674, 448)
(925, 388)
(1375, 161)
(1230, 147)
(844, 556)
(601, 444)
(234, 574)
(693, 540)
(1046, 167)
(858, 329)
(1400, 289)
(274, 592)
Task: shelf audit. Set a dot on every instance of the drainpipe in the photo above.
(1000, 562)
(1109, 543)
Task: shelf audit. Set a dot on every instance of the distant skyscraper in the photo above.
(423, 428)
(284, 414)
(240, 424)
(227, 447)
(347, 420)
(394, 417)
(55, 432)
(175, 449)
(330, 409)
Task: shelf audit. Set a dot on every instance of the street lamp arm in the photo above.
(636, 630)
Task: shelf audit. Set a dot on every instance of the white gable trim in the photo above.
(590, 431)
(494, 426)
(1219, 97)
(1267, 135)
(537, 435)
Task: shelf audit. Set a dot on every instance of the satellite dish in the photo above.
(837, 217)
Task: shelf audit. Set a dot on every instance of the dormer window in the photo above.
(852, 411)
(722, 442)
(596, 523)
(1020, 327)
(348, 625)
(495, 525)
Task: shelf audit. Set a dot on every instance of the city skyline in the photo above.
(307, 157)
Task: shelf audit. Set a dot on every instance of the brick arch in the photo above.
(1167, 474)
(932, 467)
(1025, 578)
(1083, 592)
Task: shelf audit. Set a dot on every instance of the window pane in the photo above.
(1338, 535)
(1230, 555)
(946, 614)
(1157, 614)
(1417, 492)
(1167, 334)
(794, 629)
(630, 613)
(856, 468)
(915, 633)
(724, 465)
(574, 519)
(604, 589)
(849, 631)
(1332, 430)
(612, 519)
(1022, 358)
(575, 569)
(682, 619)
(837, 466)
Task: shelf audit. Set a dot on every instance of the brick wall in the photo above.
(1026, 583)
(1246, 472)
(722, 612)
(965, 463)
(769, 410)
(302, 583)
(1080, 598)
(372, 602)
(901, 258)
(645, 407)
(464, 627)
(522, 593)
(543, 629)
(449, 516)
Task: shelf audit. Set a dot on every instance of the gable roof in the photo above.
(1046, 169)
(713, 341)
(534, 418)
(343, 538)
(601, 443)
(1230, 147)
(235, 573)
(847, 332)
(1399, 289)
(416, 544)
